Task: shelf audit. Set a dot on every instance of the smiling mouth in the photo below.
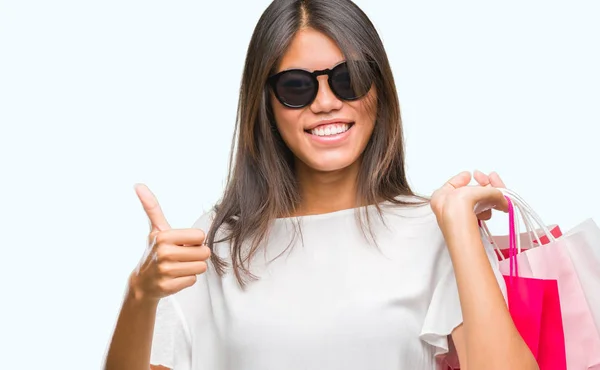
(330, 129)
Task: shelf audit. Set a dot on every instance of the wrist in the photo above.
(137, 296)
(138, 301)
(459, 224)
(458, 214)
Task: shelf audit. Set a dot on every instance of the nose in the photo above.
(325, 101)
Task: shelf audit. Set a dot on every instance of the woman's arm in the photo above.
(488, 338)
(132, 339)
(174, 259)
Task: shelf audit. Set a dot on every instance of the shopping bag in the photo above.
(554, 261)
(534, 306)
(528, 240)
(583, 247)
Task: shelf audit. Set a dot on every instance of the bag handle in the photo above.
(514, 247)
(527, 212)
(529, 217)
(514, 224)
(512, 238)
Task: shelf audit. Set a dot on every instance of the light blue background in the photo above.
(98, 95)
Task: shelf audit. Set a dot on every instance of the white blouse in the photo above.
(332, 300)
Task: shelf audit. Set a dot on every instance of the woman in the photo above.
(321, 256)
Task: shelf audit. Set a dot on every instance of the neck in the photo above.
(325, 192)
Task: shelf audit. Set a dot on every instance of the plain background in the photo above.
(98, 95)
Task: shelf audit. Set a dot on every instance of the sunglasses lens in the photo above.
(344, 87)
(296, 88)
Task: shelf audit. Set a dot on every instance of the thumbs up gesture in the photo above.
(173, 259)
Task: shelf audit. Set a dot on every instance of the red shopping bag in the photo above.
(543, 331)
(534, 306)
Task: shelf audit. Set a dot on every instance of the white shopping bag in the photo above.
(584, 249)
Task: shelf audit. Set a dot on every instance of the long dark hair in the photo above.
(261, 185)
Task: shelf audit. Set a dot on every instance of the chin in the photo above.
(329, 164)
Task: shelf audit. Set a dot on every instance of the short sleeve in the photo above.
(171, 345)
(444, 313)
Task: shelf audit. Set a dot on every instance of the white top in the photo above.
(336, 302)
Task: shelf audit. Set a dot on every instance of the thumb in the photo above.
(158, 222)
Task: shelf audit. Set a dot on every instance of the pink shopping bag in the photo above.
(583, 246)
(534, 306)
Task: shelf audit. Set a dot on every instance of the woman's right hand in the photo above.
(173, 257)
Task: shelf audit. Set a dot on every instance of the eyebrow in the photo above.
(308, 70)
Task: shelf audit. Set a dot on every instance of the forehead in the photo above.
(311, 50)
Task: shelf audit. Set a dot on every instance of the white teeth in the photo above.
(329, 130)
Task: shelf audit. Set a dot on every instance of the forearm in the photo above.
(132, 339)
(491, 339)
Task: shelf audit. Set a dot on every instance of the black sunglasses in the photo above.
(297, 88)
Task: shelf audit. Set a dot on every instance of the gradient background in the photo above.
(98, 95)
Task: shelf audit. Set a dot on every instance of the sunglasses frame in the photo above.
(272, 82)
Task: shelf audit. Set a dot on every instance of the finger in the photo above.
(178, 269)
(487, 198)
(496, 181)
(481, 178)
(174, 253)
(158, 222)
(460, 180)
(190, 237)
(172, 286)
(486, 215)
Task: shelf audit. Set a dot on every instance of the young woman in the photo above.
(319, 255)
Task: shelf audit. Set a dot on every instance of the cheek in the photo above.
(366, 110)
(286, 120)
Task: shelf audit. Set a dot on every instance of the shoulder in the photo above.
(412, 213)
(204, 221)
(414, 225)
(409, 206)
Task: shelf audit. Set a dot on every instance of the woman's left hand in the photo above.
(456, 202)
